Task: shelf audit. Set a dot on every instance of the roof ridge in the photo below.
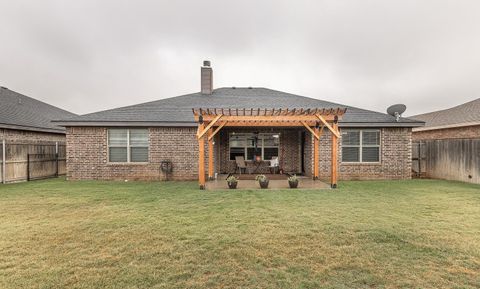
(465, 104)
(39, 101)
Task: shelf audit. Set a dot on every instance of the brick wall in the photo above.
(25, 136)
(395, 157)
(87, 155)
(448, 133)
(289, 149)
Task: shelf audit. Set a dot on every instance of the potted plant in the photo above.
(293, 181)
(262, 180)
(232, 182)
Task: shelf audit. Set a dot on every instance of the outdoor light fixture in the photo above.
(317, 125)
(335, 119)
(200, 119)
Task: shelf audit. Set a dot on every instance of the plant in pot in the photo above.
(293, 181)
(232, 182)
(262, 180)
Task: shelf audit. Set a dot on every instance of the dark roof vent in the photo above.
(249, 87)
(3, 87)
(206, 63)
(233, 87)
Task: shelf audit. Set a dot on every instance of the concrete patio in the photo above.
(246, 181)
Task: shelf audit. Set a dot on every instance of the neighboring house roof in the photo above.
(466, 114)
(177, 111)
(18, 111)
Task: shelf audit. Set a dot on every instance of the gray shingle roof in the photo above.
(464, 114)
(18, 111)
(178, 110)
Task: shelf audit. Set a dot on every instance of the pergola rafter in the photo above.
(212, 120)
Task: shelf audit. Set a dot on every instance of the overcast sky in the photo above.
(86, 56)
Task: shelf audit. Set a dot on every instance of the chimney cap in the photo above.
(206, 63)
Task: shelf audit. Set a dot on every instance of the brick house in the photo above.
(131, 142)
(459, 122)
(25, 126)
(448, 146)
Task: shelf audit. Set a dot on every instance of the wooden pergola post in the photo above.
(333, 181)
(316, 144)
(201, 158)
(210, 154)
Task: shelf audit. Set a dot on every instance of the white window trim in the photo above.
(128, 148)
(360, 146)
(261, 147)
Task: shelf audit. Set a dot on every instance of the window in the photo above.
(361, 146)
(127, 145)
(250, 145)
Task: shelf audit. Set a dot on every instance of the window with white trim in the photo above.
(248, 145)
(127, 145)
(361, 146)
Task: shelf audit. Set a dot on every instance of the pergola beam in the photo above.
(316, 154)
(217, 130)
(210, 154)
(204, 131)
(315, 134)
(201, 159)
(333, 175)
(305, 117)
(324, 121)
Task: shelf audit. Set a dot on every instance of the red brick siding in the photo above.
(289, 150)
(87, 155)
(395, 158)
(448, 133)
(25, 136)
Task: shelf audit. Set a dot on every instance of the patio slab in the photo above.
(304, 183)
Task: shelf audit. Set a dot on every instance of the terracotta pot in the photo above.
(264, 184)
(232, 185)
(293, 184)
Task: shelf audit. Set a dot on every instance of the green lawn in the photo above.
(401, 234)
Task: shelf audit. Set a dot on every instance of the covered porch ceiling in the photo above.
(212, 120)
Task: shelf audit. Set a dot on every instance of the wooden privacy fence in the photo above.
(450, 159)
(31, 161)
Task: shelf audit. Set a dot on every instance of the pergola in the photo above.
(212, 120)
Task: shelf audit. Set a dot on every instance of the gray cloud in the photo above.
(92, 55)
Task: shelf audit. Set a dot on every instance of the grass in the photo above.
(401, 234)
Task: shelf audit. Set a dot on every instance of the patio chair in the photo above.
(240, 164)
(274, 165)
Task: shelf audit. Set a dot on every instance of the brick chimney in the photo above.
(206, 77)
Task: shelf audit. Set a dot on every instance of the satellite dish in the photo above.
(396, 110)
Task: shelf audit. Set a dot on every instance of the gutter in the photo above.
(32, 128)
(194, 124)
(464, 124)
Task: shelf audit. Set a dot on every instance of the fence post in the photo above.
(56, 159)
(419, 158)
(28, 167)
(4, 162)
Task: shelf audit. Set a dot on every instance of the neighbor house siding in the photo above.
(25, 136)
(87, 155)
(466, 132)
